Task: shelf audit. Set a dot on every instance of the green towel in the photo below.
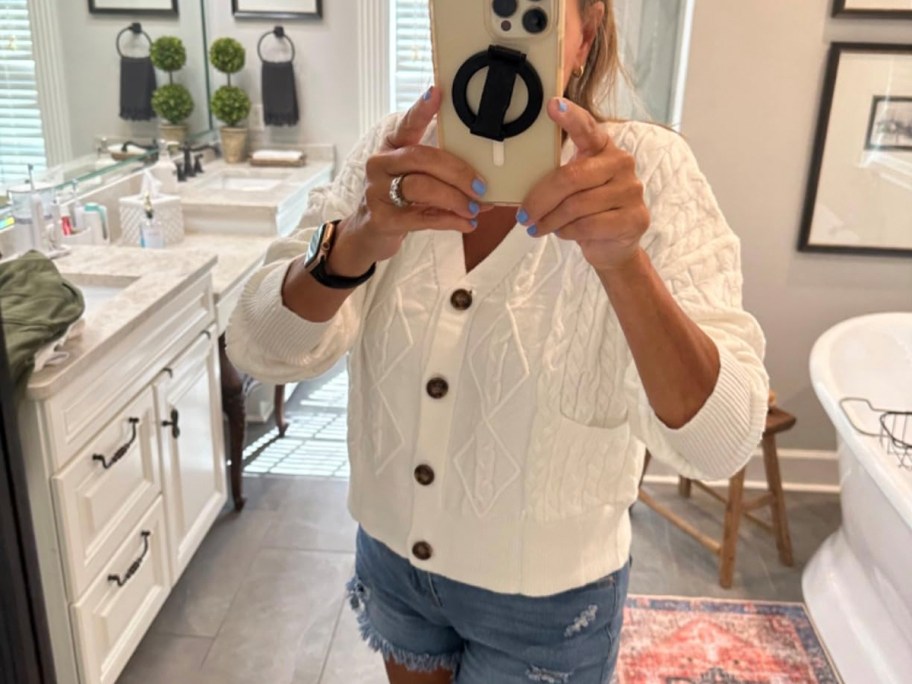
(37, 306)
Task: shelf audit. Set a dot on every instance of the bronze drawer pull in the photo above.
(121, 452)
(135, 565)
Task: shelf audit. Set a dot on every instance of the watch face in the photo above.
(313, 250)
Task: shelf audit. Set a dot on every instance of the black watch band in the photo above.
(319, 251)
(339, 282)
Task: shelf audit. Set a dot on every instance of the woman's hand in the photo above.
(596, 199)
(444, 192)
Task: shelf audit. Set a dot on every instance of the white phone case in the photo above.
(463, 29)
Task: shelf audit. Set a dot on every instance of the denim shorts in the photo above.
(426, 622)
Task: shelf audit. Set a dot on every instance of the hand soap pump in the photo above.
(151, 235)
(164, 170)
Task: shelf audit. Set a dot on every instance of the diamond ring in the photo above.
(396, 193)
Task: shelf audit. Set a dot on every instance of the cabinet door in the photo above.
(193, 456)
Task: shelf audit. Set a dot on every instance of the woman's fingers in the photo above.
(414, 124)
(577, 176)
(590, 139)
(428, 191)
(434, 162)
(618, 225)
(395, 221)
(579, 205)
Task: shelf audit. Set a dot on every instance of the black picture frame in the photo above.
(132, 11)
(820, 139)
(876, 107)
(293, 16)
(840, 10)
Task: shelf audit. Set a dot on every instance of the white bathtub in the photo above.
(858, 586)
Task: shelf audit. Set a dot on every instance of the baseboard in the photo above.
(803, 470)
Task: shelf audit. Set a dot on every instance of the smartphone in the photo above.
(499, 62)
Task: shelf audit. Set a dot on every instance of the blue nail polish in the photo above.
(562, 105)
(427, 94)
(532, 230)
(474, 208)
(522, 216)
(479, 187)
(474, 223)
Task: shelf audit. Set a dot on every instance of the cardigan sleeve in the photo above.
(698, 257)
(269, 341)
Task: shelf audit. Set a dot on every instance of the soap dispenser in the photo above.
(150, 232)
(164, 171)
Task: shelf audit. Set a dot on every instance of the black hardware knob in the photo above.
(174, 423)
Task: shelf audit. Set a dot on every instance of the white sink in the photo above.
(97, 291)
(250, 200)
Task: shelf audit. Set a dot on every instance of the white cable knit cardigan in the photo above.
(538, 445)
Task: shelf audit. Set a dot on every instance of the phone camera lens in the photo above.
(505, 8)
(535, 21)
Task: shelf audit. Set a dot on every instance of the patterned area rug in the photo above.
(707, 641)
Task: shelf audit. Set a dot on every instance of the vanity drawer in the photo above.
(105, 490)
(111, 618)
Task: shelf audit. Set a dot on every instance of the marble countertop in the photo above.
(238, 256)
(141, 283)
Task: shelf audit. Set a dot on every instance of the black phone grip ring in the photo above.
(504, 67)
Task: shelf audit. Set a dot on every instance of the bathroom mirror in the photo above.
(60, 87)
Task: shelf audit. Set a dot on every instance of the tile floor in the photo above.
(262, 602)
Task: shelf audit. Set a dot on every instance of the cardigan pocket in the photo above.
(575, 469)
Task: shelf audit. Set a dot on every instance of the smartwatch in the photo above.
(318, 254)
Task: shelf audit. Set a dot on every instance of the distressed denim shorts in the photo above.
(426, 622)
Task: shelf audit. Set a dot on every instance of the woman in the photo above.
(507, 369)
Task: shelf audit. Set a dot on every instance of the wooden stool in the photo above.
(777, 421)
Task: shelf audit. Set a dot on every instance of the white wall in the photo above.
(326, 66)
(754, 85)
(91, 69)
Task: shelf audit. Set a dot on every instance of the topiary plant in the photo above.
(228, 56)
(169, 54)
(230, 105)
(172, 103)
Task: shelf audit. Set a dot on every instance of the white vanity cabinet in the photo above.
(125, 467)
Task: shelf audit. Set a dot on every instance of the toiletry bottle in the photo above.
(163, 170)
(150, 232)
(39, 228)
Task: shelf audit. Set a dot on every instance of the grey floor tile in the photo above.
(350, 660)
(200, 600)
(315, 517)
(164, 659)
(265, 493)
(285, 608)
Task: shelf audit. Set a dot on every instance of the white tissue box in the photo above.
(168, 213)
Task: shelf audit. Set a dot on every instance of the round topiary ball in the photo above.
(172, 103)
(227, 55)
(169, 53)
(230, 105)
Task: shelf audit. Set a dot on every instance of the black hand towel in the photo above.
(280, 95)
(137, 83)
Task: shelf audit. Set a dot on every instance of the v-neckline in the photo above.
(449, 253)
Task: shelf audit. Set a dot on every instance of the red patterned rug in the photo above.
(706, 641)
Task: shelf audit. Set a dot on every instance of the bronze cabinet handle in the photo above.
(174, 423)
(135, 565)
(121, 452)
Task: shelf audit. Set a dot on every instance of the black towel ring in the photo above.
(136, 29)
(279, 33)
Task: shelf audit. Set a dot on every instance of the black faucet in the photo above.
(190, 169)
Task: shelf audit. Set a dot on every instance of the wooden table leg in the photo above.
(777, 505)
(730, 534)
(235, 407)
(279, 409)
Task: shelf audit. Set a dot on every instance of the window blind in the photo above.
(21, 135)
(651, 35)
(411, 61)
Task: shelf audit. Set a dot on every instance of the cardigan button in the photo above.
(422, 551)
(461, 300)
(424, 475)
(438, 387)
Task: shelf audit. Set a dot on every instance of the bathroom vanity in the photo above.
(124, 451)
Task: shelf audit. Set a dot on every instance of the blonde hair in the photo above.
(598, 84)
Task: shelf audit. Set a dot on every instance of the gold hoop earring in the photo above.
(578, 72)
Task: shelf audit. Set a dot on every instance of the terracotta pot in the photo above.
(234, 144)
(173, 132)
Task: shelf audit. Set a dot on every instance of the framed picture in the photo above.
(147, 7)
(277, 9)
(873, 9)
(860, 179)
